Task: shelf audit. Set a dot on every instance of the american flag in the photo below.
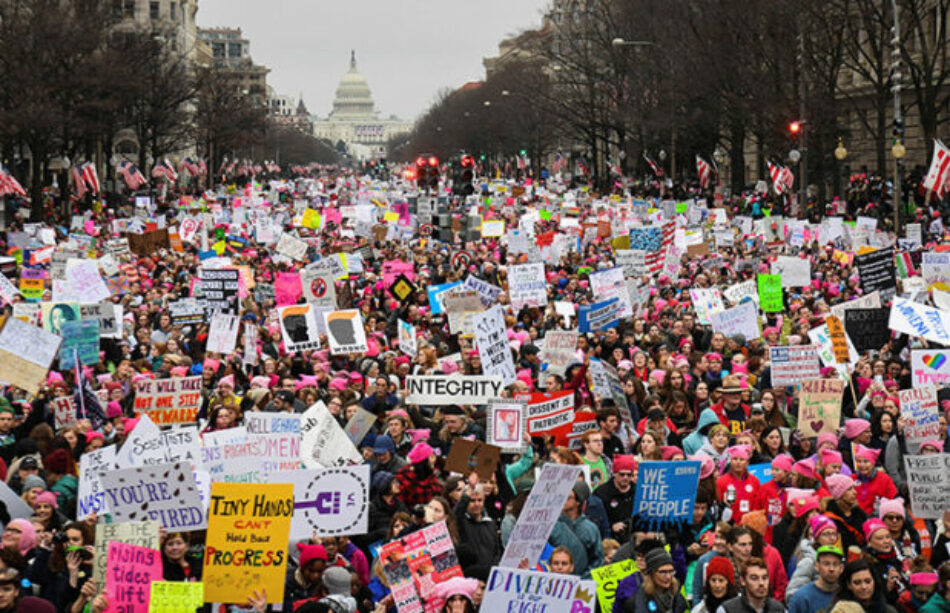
(165, 169)
(90, 176)
(78, 184)
(657, 170)
(189, 166)
(87, 401)
(782, 178)
(271, 167)
(132, 176)
(615, 169)
(202, 168)
(655, 240)
(559, 163)
(938, 175)
(704, 170)
(9, 185)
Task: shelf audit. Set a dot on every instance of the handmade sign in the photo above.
(165, 493)
(741, 319)
(794, 271)
(918, 319)
(666, 492)
(791, 365)
(25, 354)
(144, 446)
(130, 570)
(80, 343)
(299, 329)
(487, 292)
(599, 316)
(318, 287)
(148, 243)
(139, 533)
(839, 340)
(819, 408)
(528, 591)
(493, 347)
(466, 456)
(928, 481)
(706, 302)
(246, 543)
(169, 401)
(539, 514)
(930, 367)
(407, 338)
(868, 301)
(176, 596)
(867, 328)
(359, 425)
(91, 497)
(64, 411)
(770, 293)
(877, 273)
(550, 413)
(187, 312)
(438, 390)
(559, 350)
(506, 425)
(345, 332)
(222, 337)
(921, 414)
(329, 501)
(107, 314)
(323, 441)
(607, 578)
(527, 285)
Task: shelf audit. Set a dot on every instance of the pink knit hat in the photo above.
(228, 380)
(420, 452)
(456, 586)
(873, 525)
(783, 461)
(820, 523)
(830, 456)
(707, 466)
(934, 442)
(838, 485)
(805, 468)
(887, 507)
(449, 367)
(826, 437)
(47, 498)
(867, 453)
(855, 426)
(738, 451)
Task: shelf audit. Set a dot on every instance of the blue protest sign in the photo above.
(80, 340)
(599, 316)
(436, 293)
(666, 492)
(763, 472)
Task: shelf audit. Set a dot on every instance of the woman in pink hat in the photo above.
(871, 484)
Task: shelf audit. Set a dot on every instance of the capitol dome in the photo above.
(353, 99)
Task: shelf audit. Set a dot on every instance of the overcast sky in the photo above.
(408, 50)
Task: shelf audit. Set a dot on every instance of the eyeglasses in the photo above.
(664, 571)
(13, 530)
(892, 518)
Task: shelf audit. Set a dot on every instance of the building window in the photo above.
(218, 50)
(234, 50)
(173, 11)
(128, 9)
(153, 9)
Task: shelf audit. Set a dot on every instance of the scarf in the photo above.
(664, 598)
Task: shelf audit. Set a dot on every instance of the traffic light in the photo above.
(433, 173)
(794, 129)
(422, 174)
(466, 176)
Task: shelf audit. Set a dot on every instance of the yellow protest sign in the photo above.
(607, 578)
(839, 341)
(176, 596)
(32, 289)
(311, 219)
(246, 543)
(391, 217)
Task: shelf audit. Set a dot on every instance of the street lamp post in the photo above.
(898, 150)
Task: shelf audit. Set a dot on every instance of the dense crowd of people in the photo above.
(831, 528)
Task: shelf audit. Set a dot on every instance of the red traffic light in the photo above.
(794, 128)
(468, 160)
(433, 161)
(410, 174)
(420, 161)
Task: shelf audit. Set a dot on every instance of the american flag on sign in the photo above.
(655, 240)
(704, 170)
(90, 176)
(78, 184)
(937, 176)
(653, 165)
(132, 176)
(9, 185)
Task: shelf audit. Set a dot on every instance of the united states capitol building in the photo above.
(354, 120)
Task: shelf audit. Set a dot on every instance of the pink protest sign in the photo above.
(130, 571)
(287, 288)
(393, 268)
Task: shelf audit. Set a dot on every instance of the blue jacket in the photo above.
(696, 439)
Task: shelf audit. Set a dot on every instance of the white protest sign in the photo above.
(918, 319)
(438, 390)
(64, 411)
(182, 444)
(8, 291)
(740, 291)
(559, 350)
(487, 292)
(928, 481)
(741, 319)
(527, 285)
(318, 287)
(539, 514)
(796, 272)
(109, 316)
(492, 342)
(26, 352)
(632, 261)
(407, 338)
(921, 415)
(292, 247)
(345, 332)
(506, 425)
(298, 327)
(222, 337)
(91, 496)
(706, 302)
(328, 501)
(868, 301)
(607, 284)
(165, 493)
(511, 590)
(16, 508)
(86, 282)
(324, 443)
(144, 446)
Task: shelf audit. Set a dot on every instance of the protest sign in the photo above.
(877, 273)
(741, 319)
(706, 302)
(407, 338)
(867, 328)
(246, 543)
(436, 390)
(169, 401)
(219, 288)
(632, 261)
(599, 316)
(607, 284)
(840, 345)
(666, 492)
(222, 336)
(299, 329)
(165, 493)
(928, 481)
(819, 408)
(64, 411)
(291, 247)
(85, 281)
(91, 496)
(143, 447)
(344, 331)
(32, 284)
(493, 347)
(148, 243)
(318, 287)
(559, 350)
(505, 425)
(466, 456)
(323, 441)
(869, 301)
(25, 354)
(527, 285)
(416, 564)
(921, 416)
(359, 425)
(930, 367)
(791, 365)
(550, 413)
(460, 307)
(16, 507)
(607, 578)
(55, 314)
(487, 292)
(186, 312)
(328, 501)
(794, 271)
(770, 293)
(176, 596)
(130, 570)
(8, 291)
(107, 314)
(918, 319)
(139, 533)
(80, 344)
(539, 514)
(437, 294)
(264, 453)
(511, 590)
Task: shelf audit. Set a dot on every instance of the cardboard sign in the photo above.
(607, 578)
(819, 408)
(930, 367)
(169, 401)
(770, 293)
(25, 354)
(666, 492)
(165, 493)
(247, 539)
(329, 501)
(539, 514)
(839, 341)
(791, 365)
(140, 533)
(439, 390)
(345, 332)
(928, 480)
(921, 415)
(493, 346)
(144, 245)
(129, 572)
(867, 328)
(466, 456)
